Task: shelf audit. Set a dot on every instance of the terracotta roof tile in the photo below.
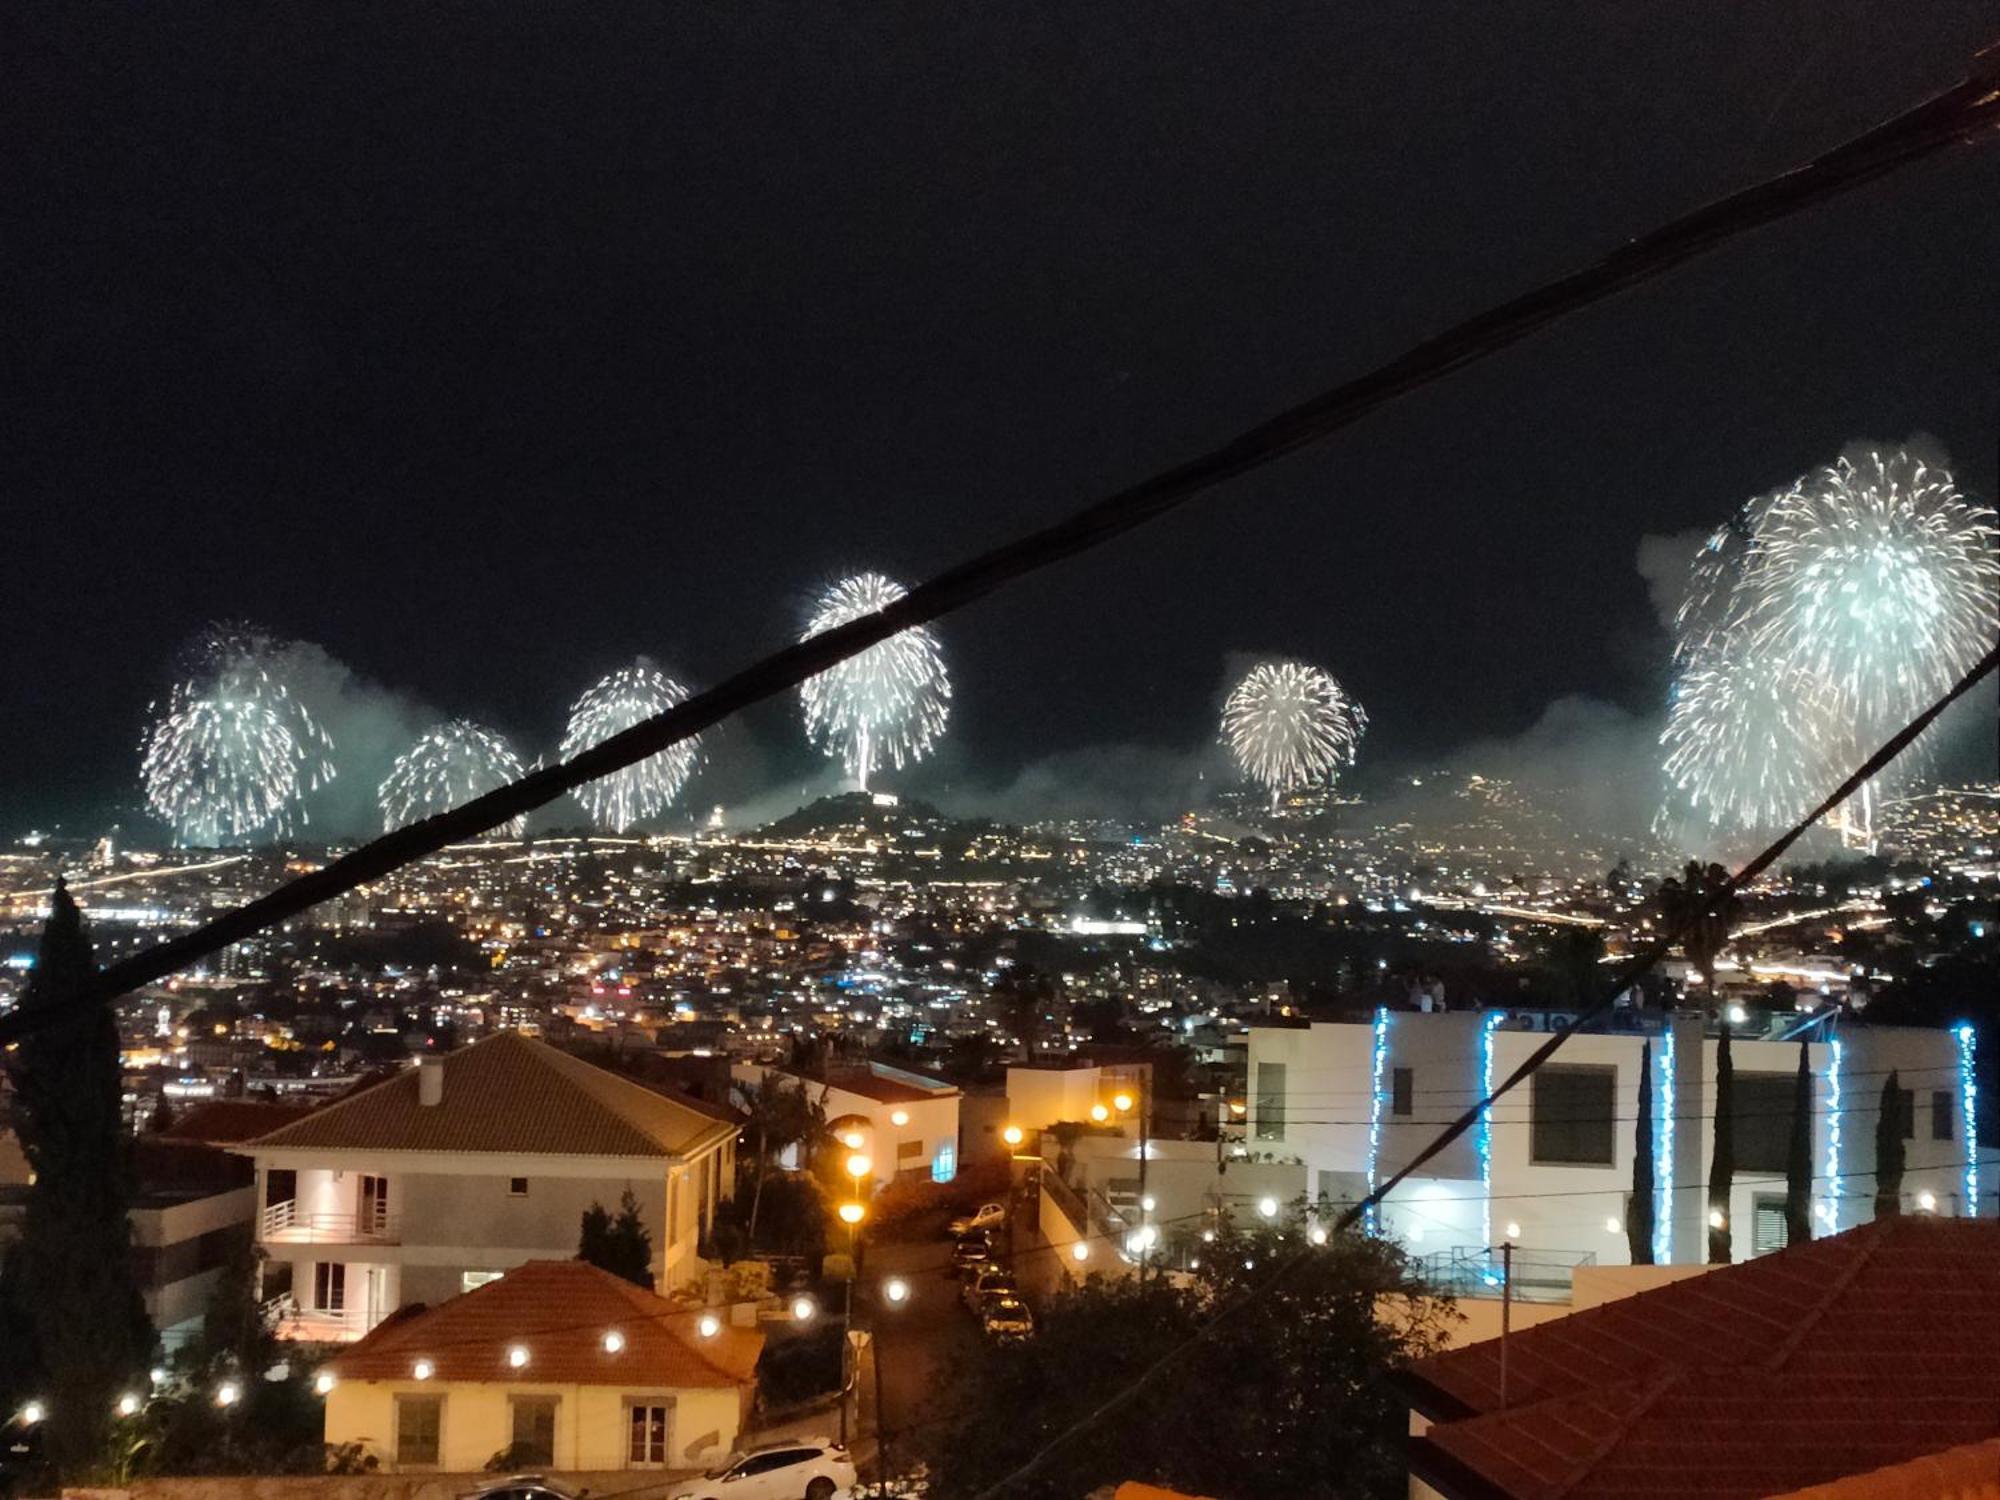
(560, 1311)
(1854, 1352)
(508, 1093)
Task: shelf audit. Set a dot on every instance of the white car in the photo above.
(802, 1469)
(989, 1216)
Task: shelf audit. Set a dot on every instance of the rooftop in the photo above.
(1865, 1349)
(559, 1311)
(508, 1093)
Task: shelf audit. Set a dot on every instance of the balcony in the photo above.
(283, 1224)
(1538, 1275)
(314, 1325)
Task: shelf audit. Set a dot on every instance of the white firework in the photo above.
(235, 753)
(630, 696)
(1291, 726)
(1818, 622)
(887, 704)
(446, 768)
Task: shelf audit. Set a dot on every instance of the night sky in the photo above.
(490, 345)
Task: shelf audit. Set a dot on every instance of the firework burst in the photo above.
(234, 754)
(447, 767)
(1291, 726)
(889, 703)
(1817, 623)
(645, 790)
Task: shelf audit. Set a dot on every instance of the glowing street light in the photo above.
(1927, 1201)
(896, 1291)
(708, 1326)
(1012, 1135)
(324, 1382)
(1513, 1230)
(32, 1413)
(614, 1342)
(802, 1309)
(517, 1356)
(1317, 1234)
(1099, 1113)
(228, 1393)
(852, 1213)
(900, 1118)
(1268, 1207)
(1121, 1102)
(858, 1165)
(128, 1405)
(1147, 1204)
(1080, 1250)
(852, 1140)
(423, 1369)
(1715, 1219)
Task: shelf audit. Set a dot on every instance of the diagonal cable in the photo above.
(1962, 115)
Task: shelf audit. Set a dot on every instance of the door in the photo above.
(375, 1295)
(374, 1216)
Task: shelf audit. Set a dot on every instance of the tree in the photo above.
(1639, 1208)
(162, 1119)
(1722, 1166)
(1798, 1158)
(72, 1269)
(1302, 1377)
(782, 1113)
(620, 1245)
(1706, 932)
(1889, 1150)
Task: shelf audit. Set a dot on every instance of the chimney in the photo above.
(430, 1080)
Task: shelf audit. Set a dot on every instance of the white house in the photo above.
(1550, 1166)
(903, 1122)
(437, 1180)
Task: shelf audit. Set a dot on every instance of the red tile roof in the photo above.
(512, 1094)
(226, 1122)
(1971, 1472)
(560, 1311)
(1857, 1351)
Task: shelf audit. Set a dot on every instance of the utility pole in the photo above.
(1506, 1311)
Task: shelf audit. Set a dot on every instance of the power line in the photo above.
(1959, 116)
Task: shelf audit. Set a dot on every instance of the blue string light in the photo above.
(1488, 1024)
(1375, 1109)
(1968, 1090)
(1830, 1210)
(1663, 1154)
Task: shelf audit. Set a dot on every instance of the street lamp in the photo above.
(1099, 1113)
(852, 1214)
(1012, 1135)
(858, 1165)
(852, 1140)
(895, 1293)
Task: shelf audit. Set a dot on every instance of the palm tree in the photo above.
(1689, 906)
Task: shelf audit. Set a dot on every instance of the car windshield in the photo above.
(724, 1467)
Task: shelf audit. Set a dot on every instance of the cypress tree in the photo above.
(1798, 1159)
(1722, 1166)
(1639, 1208)
(72, 1269)
(1889, 1151)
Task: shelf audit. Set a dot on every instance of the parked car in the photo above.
(986, 1216)
(803, 1469)
(971, 1254)
(1007, 1319)
(991, 1282)
(522, 1487)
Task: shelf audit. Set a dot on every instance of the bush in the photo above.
(797, 1369)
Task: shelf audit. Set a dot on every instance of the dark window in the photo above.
(1402, 1090)
(1762, 1110)
(329, 1285)
(1572, 1113)
(649, 1422)
(418, 1420)
(534, 1429)
(1940, 1114)
(281, 1185)
(517, 1187)
(909, 1151)
(1270, 1101)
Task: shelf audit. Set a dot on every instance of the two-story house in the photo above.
(454, 1171)
(905, 1123)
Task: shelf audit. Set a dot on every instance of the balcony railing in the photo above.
(315, 1325)
(282, 1223)
(1538, 1275)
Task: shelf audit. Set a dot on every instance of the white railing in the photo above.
(282, 1223)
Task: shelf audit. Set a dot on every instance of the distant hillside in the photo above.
(860, 810)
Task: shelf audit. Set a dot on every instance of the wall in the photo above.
(477, 1421)
(1040, 1097)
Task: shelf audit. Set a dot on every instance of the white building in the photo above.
(903, 1122)
(1550, 1166)
(441, 1178)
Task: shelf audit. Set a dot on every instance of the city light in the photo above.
(858, 1165)
(1080, 1250)
(1663, 1153)
(1317, 1234)
(324, 1382)
(708, 1325)
(228, 1393)
(1268, 1207)
(1968, 1091)
(1715, 1219)
(1488, 1024)
(1121, 1102)
(1099, 1113)
(517, 1356)
(614, 1342)
(852, 1140)
(128, 1404)
(1012, 1135)
(1835, 1119)
(32, 1413)
(896, 1290)
(1148, 1203)
(852, 1213)
(423, 1369)
(1927, 1201)
(899, 1118)
(803, 1309)
(1377, 1101)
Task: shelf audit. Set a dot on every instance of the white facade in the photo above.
(1551, 1167)
(904, 1123)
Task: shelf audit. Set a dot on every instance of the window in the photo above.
(1571, 1112)
(650, 1422)
(281, 1185)
(329, 1286)
(419, 1419)
(1940, 1114)
(374, 1201)
(517, 1187)
(944, 1166)
(909, 1151)
(1402, 1090)
(1270, 1101)
(534, 1429)
(1762, 1109)
(1768, 1230)
(471, 1281)
(765, 1463)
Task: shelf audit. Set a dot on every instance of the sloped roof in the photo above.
(1847, 1354)
(560, 1311)
(508, 1093)
(1970, 1472)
